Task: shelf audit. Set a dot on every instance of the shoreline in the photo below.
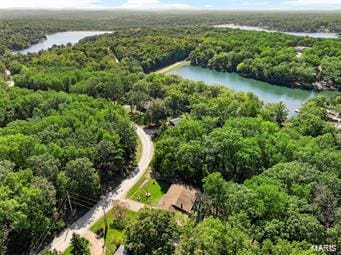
(172, 67)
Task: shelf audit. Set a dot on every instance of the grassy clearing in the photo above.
(136, 187)
(156, 189)
(115, 236)
(172, 67)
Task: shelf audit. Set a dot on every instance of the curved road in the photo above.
(82, 225)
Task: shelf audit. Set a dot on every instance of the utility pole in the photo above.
(105, 228)
(68, 198)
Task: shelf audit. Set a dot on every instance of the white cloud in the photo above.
(312, 3)
(50, 4)
(158, 4)
(152, 4)
(88, 4)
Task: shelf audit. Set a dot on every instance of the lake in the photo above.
(268, 93)
(254, 28)
(61, 38)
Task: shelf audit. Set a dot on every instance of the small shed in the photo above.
(179, 198)
(338, 126)
(127, 107)
(146, 106)
(174, 122)
(299, 50)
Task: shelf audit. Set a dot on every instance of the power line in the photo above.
(68, 199)
(83, 197)
(72, 198)
(43, 236)
(77, 203)
(44, 233)
(81, 200)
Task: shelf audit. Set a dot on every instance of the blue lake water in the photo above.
(61, 38)
(268, 93)
(254, 28)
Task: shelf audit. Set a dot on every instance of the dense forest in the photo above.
(17, 35)
(269, 184)
(273, 57)
(51, 143)
(294, 21)
(19, 29)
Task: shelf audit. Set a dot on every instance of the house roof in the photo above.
(178, 198)
(300, 48)
(175, 121)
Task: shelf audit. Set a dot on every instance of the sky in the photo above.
(176, 4)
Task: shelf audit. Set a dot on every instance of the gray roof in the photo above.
(175, 121)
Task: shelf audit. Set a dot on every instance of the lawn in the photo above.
(142, 180)
(153, 188)
(138, 151)
(68, 251)
(114, 236)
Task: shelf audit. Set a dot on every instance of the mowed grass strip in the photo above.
(115, 237)
(150, 191)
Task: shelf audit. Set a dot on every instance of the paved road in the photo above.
(133, 205)
(61, 242)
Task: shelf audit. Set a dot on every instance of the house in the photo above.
(333, 116)
(174, 122)
(127, 107)
(299, 50)
(179, 198)
(338, 126)
(146, 106)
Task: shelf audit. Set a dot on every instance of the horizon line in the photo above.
(164, 9)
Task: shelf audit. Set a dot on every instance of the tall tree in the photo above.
(80, 246)
(152, 233)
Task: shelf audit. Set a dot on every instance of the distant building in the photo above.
(146, 106)
(299, 50)
(127, 107)
(174, 122)
(334, 117)
(179, 198)
(338, 126)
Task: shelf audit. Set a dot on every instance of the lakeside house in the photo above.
(179, 198)
(334, 117)
(299, 50)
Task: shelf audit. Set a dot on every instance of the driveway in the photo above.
(83, 224)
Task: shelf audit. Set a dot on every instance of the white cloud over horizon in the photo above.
(50, 4)
(178, 4)
(153, 4)
(89, 4)
(313, 2)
